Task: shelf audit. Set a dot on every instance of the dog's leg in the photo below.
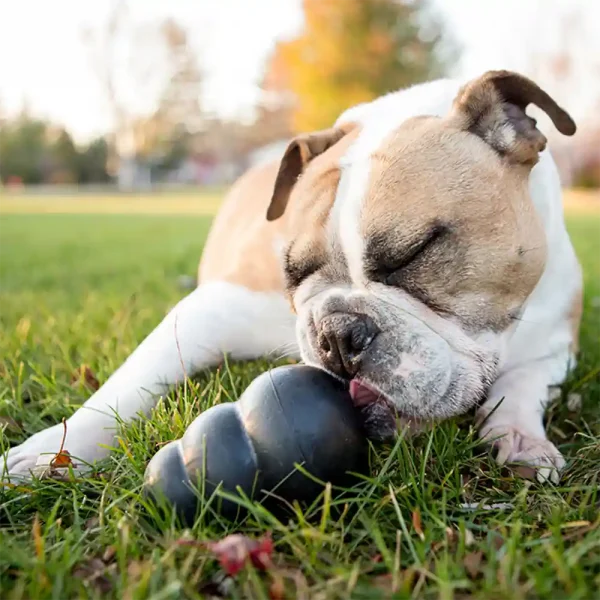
(512, 420)
(216, 318)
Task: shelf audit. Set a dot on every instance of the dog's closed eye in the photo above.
(298, 268)
(387, 267)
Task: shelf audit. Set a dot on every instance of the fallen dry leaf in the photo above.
(472, 563)
(85, 376)
(416, 523)
(62, 459)
(235, 550)
(277, 588)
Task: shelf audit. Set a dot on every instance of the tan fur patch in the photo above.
(430, 174)
(244, 248)
(241, 246)
(313, 197)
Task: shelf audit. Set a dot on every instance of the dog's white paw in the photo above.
(33, 457)
(516, 446)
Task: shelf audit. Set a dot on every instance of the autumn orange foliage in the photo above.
(349, 52)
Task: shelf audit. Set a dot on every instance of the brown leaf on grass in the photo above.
(84, 376)
(62, 459)
(277, 588)
(416, 523)
(472, 563)
(235, 551)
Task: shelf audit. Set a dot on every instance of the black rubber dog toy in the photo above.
(292, 414)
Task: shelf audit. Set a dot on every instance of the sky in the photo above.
(46, 64)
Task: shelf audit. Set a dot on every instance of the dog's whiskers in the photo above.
(282, 351)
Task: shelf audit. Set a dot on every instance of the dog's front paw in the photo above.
(37, 456)
(516, 446)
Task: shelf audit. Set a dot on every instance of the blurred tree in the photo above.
(23, 148)
(179, 117)
(92, 162)
(106, 45)
(352, 51)
(275, 109)
(152, 84)
(179, 104)
(62, 158)
(34, 151)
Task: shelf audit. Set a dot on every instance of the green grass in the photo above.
(85, 289)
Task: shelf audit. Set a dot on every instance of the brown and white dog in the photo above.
(416, 249)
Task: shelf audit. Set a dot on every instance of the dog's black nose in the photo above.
(343, 340)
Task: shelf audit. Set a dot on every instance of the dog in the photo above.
(416, 249)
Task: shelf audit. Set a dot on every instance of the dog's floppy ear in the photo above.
(299, 153)
(493, 107)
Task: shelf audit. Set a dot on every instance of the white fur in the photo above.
(222, 318)
(215, 319)
(537, 352)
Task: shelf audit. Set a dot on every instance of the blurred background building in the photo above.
(143, 94)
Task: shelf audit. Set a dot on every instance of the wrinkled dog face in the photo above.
(413, 250)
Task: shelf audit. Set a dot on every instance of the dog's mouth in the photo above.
(363, 394)
(381, 419)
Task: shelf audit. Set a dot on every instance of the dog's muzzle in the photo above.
(343, 340)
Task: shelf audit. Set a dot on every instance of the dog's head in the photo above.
(412, 251)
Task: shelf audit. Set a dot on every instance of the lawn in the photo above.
(84, 289)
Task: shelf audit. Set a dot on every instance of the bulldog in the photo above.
(416, 249)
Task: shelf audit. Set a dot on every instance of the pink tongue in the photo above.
(362, 394)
